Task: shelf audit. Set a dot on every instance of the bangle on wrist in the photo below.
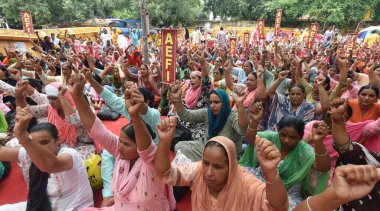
(251, 129)
(28, 138)
(321, 155)
(339, 121)
(274, 181)
(308, 204)
(177, 100)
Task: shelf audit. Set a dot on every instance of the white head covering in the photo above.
(51, 90)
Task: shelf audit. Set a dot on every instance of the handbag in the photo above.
(93, 171)
(107, 113)
(181, 134)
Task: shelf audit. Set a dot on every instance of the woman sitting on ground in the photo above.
(196, 97)
(57, 178)
(295, 104)
(219, 119)
(217, 182)
(61, 112)
(297, 157)
(351, 152)
(133, 184)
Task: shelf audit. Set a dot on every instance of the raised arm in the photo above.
(87, 116)
(21, 86)
(269, 157)
(351, 182)
(94, 84)
(281, 77)
(373, 78)
(176, 96)
(43, 158)
(239, 96)
(106, 71)
(256, 116)
(66, 107)
(322, 159)
(133, 101)
(228, 79)
(261, 92)
(165, 130)
(324, 104)
(339, 133)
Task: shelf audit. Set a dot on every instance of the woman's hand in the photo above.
(133, 101)
(77, 83)
(166, 129)
(257, 112)
(23, 118)
(353, 182)
(268, 155)
(21, 87)
(15, 73)
(87, 73)
(283, 75)
(260, 71)
(238, 95)
(341, 63)
(338, 108)
(176, 92)
(320, 80)
(319, 131)
(227, 67)
(62, 90)
(108, 201)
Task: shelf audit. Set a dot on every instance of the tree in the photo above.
(175, 12)
(226, 8)
(58, 11)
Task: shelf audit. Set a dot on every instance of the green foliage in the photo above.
(59, 11)
(339, 12)
(180, 12)
(175, 12)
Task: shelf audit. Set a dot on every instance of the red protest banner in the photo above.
(169, 58)
(277, 25)
(246, 40)
(27, 22)
(233, 45)
(312, 32)
(261, 28)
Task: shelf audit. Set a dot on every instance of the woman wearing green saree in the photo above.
(304, 169)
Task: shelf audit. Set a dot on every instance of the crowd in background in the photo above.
(274, 126)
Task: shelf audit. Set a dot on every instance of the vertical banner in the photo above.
(169, 52)
(277, 25)
(246, 40)
(351, 43)
(261, 28)
(27, 22)
(233, 42)
(312, 32)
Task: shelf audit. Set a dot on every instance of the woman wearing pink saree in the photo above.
(134, 185)
(369, 130)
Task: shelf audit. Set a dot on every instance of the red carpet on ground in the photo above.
(13, 188)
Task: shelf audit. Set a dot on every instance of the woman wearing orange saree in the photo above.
(217, 182)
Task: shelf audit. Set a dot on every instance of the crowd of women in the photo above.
(274, 126)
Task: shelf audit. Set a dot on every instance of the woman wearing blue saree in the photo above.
(303, 169)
